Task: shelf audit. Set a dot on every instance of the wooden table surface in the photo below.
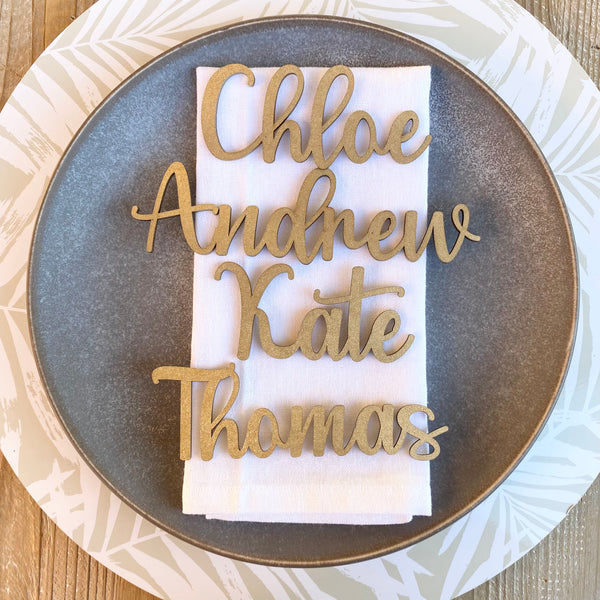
(38, 561)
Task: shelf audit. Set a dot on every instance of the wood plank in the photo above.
(20, 535)
(38, 16)
(113, 589)
(58, 15)
(82, 581)
(83, 5)
(15, 44)
(48, 530)
(97, 583)
(71, 579)
(61, 564)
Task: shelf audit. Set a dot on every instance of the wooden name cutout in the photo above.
(384, 328)
(403, 128)
(381, 227)
(394, 424)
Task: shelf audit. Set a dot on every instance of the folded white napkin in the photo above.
(356, 488)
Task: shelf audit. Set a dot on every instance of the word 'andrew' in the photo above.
(299, 221)
(394, 424)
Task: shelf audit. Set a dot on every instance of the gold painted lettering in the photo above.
(378, 333)
(249, 309)
(184, 211)
(208, 112)
(324, 428)
(384, 328)
(404, 126)
(422, 437)
(380, 228)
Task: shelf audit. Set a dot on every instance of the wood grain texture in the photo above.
(38, 561)
(20, 535)
(576, 23)
(15, 43)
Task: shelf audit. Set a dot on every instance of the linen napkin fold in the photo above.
(351, 489)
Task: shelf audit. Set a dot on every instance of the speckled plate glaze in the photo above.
(104, 313)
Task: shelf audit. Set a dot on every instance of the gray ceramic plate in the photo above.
(500, 318)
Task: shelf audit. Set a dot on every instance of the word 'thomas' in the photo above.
(394, 424)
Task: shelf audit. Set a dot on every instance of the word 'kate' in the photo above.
(394, 423)
(403, 128)
(385, 326)
(381, 228)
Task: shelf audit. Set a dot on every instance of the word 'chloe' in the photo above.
(394, 423)
(274, 126)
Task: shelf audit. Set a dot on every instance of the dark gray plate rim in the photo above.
(351, 555)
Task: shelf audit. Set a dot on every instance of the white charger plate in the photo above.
(504, 46)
